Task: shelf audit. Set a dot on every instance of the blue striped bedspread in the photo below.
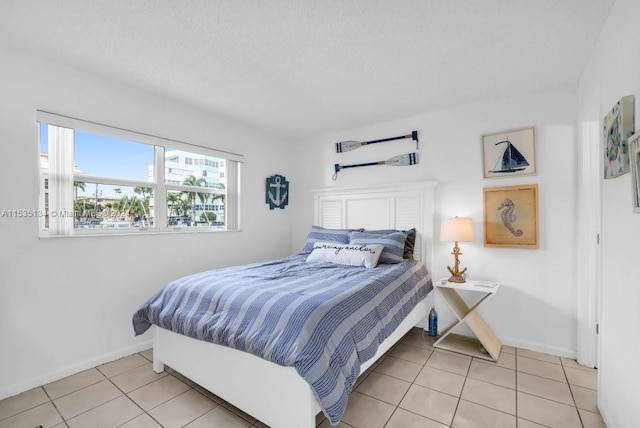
(323, 319)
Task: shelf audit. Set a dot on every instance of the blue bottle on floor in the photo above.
(433, 322)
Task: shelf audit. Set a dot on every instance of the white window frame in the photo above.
(65, 227)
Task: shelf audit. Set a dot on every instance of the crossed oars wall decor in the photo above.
(347, 146)
(401, 160)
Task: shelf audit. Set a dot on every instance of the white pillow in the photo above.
(366, 255)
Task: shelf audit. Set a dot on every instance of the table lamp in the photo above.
(457, 229)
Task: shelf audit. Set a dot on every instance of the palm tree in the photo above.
(208, 216)
(177, 206)
(191, 196)
(108, 206)
(123, 207)
(146, 193)
(96, 199)
(222, 197)
(172, 202)
(77, 185)
(182, 207)
(204, 197)
(82, 208)
(132, 207)
(146, 211)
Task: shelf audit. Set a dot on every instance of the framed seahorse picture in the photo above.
(511, 216)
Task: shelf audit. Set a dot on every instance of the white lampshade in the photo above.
(458, 229)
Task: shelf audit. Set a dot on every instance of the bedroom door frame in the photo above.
(589, 238)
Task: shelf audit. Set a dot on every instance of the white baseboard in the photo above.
(604, 412)
(553, 350)
(17, 388)
(560, 352)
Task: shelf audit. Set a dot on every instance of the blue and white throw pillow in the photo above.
(393, 244)
(409, 244)
(321, 234)
(346, 254)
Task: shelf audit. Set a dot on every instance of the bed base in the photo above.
(275, 395)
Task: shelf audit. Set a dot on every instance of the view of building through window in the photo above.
(193, 207)
(122, 184)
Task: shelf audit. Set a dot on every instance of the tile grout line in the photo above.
(459, 398)
(412, 382)
(64, 421)
(190, 389)
(396, 407)
(515, 369)
(517, 390)
(31, 408)
(88, 410)
(132, 400)
(571, 392)
(432, 351)
(195, 419)
(464, 383)
(125, 394)
(575, 406)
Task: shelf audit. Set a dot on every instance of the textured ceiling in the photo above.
(300, 67)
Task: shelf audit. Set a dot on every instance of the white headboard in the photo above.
(398, 206)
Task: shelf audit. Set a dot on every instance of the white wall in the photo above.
(66, 303)
(613, 71)
(536, 307)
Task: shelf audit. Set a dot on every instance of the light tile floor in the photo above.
(413, 386)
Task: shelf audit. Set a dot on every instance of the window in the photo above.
(188, 202)
(97, 179)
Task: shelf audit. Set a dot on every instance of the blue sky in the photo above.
(107, 156)
(103, 156)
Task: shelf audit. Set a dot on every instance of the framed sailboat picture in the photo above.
(509, 153)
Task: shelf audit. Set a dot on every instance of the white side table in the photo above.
(487, 346)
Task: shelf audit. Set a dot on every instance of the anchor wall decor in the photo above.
(277, 192)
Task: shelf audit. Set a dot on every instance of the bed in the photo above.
(284, 373)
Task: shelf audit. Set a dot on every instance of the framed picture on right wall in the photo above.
(617, 127)
(634, 160)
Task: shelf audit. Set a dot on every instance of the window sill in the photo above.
(139, 232)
